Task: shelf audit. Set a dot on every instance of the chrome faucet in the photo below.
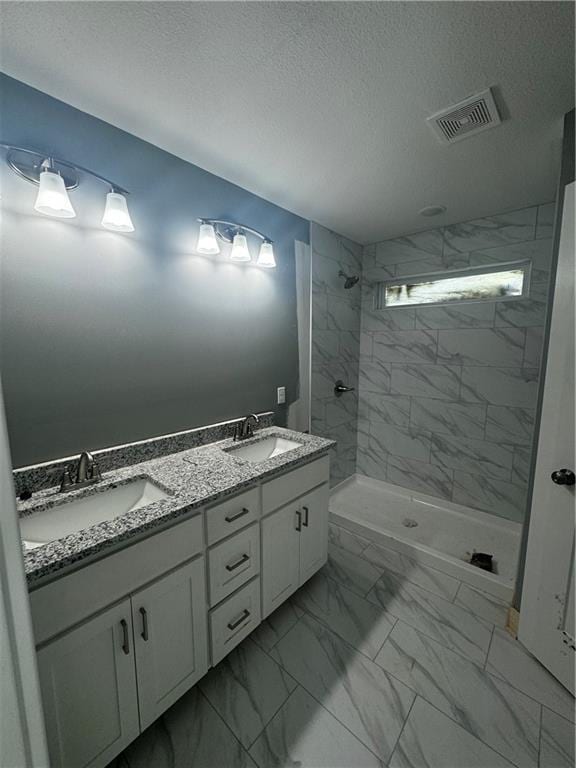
(243, 429)
(87, 472)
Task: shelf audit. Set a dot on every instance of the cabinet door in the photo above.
(280, 556)
(170, 638)
(314, 536)
(88, 683)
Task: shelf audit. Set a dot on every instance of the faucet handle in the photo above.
(66, 481)
(95, 473)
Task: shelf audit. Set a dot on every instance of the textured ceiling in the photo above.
(319, 107)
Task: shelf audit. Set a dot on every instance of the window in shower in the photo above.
(488, 283)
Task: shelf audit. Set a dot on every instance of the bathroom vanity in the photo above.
(139, 607)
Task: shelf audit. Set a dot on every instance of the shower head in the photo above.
(350, 280)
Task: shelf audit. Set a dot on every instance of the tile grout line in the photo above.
(275, 712)
(382, 646)
(450, 648)
(403, 726)
(540, 732)
(451, 717)
(304, 688)
(219, 716)
(484, 666)
(477, 737)
(403, 578)
(527, 695)
(457, 593)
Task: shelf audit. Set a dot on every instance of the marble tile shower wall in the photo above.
(447, 394)
(335, 345)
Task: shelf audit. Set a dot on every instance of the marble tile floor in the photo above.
(374, 662)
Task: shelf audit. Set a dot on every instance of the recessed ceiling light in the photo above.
(432, 210)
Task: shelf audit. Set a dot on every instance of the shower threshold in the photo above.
(431, 531)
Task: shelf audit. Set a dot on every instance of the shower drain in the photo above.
(409, 523)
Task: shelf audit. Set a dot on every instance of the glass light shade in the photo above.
(52, 198)
(240, 250)
(116, 216)
(266, 256)
(207, 242)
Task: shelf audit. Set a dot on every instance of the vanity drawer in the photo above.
(283, 489)
(234, 619)
(232, 515)
(233, 563)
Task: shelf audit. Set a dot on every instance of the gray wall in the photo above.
(448, 394)
(108, 338)
(335, 345)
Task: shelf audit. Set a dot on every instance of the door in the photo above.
(88, 683)
(314, 536)
(547, 610)
(280, 556)
(170, 638)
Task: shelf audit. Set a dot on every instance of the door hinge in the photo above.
(568, 640)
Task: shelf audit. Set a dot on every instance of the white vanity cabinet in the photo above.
(170, 640)
(122, 638)
(280, 557)
(138, 656)
(88, 682)
(314, 532)
(294, 537)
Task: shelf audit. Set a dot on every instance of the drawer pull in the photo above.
(305, 523)
(125, 640)
(231, 518)
(298, 520)
(236, 623)
(144, 633)
(238, 563)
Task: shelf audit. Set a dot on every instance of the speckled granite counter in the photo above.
(192, 478)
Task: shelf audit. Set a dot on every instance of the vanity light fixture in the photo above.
(52, 198)
(266, 256)
(116, 216)
(240, 250)
(207, 242)
(56, 177)
(212, 230)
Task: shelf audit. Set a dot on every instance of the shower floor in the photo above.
(431, 531)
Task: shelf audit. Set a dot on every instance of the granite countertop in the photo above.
(192, 478)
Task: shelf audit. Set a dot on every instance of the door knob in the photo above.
(563, 477)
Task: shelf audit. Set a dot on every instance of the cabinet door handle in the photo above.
(125, 639)
(305, 523)
(238, 563)
(231, 518)
(298, 520)
(236, 623)
(144, 633)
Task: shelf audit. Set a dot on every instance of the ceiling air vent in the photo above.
(467, 118)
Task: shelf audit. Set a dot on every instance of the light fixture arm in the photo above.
(69, 171)
(231, 229)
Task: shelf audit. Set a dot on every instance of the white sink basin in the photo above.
(72, 516)
(264, 449)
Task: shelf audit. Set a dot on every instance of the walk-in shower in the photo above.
(435, 401)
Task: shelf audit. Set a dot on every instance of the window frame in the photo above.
(429, 277)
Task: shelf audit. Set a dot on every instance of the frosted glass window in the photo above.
(495, 284)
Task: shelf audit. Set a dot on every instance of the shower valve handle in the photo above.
(340, 388)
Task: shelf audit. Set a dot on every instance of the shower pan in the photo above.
(430, 531)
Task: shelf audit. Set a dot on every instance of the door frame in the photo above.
(23, 735)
